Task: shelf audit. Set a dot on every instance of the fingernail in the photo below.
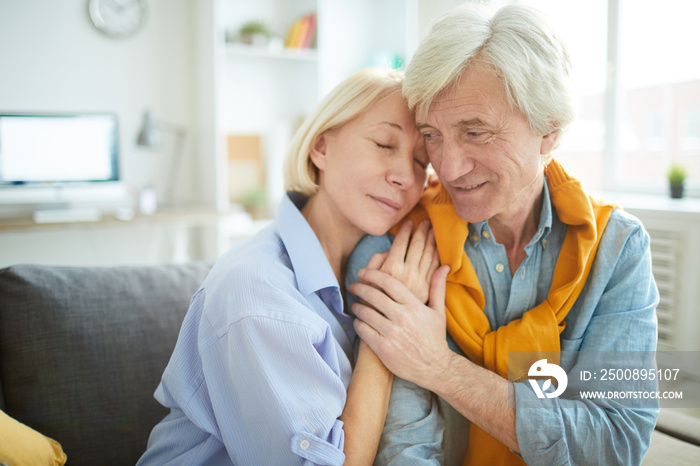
(361, 273)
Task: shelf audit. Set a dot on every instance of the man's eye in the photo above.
(478, 135)
(422, 164)
(431, 138)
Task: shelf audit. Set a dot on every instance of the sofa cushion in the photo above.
(82, 349)
(20, 444)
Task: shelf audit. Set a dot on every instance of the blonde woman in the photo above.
(262, 372)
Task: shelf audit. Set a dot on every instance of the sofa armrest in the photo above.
(679, 425)
(675, 440)
(665, 450)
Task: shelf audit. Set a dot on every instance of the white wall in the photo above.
(53, 59)
(431, 10)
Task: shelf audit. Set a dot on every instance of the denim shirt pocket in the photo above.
(570, 344)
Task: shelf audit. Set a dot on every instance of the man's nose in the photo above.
(454, 161)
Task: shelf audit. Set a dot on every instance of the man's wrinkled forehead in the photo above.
(479, 81)
(471, 105)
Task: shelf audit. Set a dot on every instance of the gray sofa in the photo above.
(82, 350)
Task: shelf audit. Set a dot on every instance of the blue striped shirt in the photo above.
(260, 371)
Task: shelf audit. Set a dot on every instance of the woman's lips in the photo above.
(387, 204)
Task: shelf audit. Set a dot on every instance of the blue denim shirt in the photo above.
(260, 371)
(615, 312)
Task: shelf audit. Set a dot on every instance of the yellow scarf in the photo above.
(539, 328)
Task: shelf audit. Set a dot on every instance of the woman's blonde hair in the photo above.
(345, 102)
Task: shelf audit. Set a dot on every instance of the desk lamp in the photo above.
(150, 136)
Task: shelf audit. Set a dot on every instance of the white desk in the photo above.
(164, 237)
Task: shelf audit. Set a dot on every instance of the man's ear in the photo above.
(548, 142)
(318, 151)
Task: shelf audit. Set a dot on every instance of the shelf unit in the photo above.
(236, 50)
(244, 89)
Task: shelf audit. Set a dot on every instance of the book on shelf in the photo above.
(301, 33)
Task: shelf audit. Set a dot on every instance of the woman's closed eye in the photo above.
(384, 146)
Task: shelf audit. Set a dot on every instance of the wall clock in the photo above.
(118, 18)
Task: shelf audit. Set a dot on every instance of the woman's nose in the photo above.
(401, 172)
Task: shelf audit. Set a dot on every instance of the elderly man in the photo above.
(535, 263)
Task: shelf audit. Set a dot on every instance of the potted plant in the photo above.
(255, 202)
(676, 179)
(254, 32)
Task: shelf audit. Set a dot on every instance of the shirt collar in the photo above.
(545, 225)
(311, 268)
(476, 230)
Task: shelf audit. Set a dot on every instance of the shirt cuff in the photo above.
(540, 431)
(317, 451)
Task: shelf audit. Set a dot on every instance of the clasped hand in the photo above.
(392, 317)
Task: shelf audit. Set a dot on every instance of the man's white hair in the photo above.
(530, 60)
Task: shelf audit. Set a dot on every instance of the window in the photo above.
(690, 136)
(655, 130)
(638, 83)
(692, 123)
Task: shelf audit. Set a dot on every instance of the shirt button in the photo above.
(345, 327)
(486, 234)
(522, 273)
(304, 445)
(499, 267)
(475, 238)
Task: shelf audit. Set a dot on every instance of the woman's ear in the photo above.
(318, 151)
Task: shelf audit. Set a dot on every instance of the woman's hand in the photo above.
(412, 259)
(407, 335)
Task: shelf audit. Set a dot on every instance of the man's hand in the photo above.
(412, 259)
(408, 336)
(410, 339)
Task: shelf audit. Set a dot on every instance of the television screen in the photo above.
(58, 148)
